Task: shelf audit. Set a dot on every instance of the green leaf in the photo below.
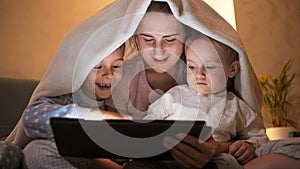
(276, 91)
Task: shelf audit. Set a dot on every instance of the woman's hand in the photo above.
(242, 151)
(190, 153)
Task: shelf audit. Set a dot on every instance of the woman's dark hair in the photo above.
(157, 6)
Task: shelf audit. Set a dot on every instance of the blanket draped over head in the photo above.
(94, 38)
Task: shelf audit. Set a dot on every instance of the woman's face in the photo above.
(160, 40)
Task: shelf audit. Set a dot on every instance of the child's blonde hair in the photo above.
(222, 49)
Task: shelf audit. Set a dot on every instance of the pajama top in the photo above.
(237, 119)
(36, 117)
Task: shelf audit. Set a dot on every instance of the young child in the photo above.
(211, 66)
(84, 103)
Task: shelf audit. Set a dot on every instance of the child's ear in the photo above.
(234, 68)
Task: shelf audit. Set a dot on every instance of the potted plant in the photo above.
(276, 92)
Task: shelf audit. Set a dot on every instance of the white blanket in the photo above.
(93, 39)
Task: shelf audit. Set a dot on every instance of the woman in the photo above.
(158, 64)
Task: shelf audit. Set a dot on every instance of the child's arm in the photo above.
(37, 115)
(250, 127)
(161, 108)
(36, 118)
(251, 135)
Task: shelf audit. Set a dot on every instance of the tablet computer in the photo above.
(118, 138)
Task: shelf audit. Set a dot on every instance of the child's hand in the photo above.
(103, 114)
(114, 115)
(242, 151)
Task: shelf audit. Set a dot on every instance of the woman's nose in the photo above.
(158, 52)
(159, 49)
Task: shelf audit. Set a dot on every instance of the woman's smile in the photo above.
(160, 60)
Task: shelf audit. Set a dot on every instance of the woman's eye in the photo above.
(169, 41)
(148, 40)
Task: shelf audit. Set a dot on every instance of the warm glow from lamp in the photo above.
(225, 8)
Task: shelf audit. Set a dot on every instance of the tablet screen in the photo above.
(104, 139)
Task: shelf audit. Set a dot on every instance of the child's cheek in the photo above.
(116, 79)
